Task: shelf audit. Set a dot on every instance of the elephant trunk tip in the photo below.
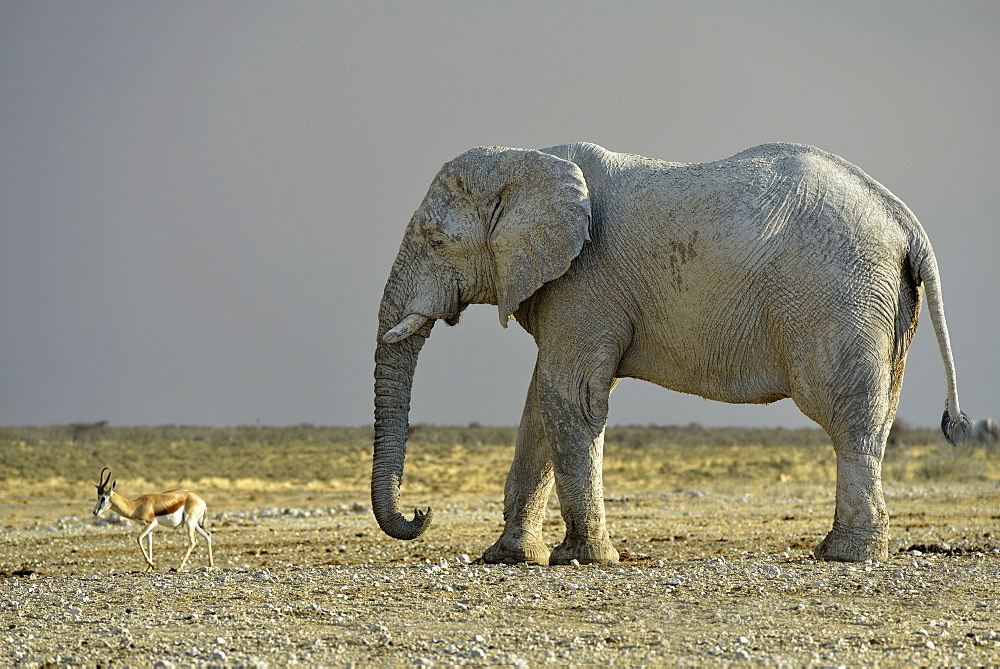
(398, 527)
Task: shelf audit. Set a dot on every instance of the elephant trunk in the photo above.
(412, 301)
(394, 368)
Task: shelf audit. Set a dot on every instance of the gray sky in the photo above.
(200, 201)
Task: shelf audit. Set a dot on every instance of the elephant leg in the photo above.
(581, 499)
(574, 414)
(861, 522)
(526, 493)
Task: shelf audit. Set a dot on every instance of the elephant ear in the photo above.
(539, 219)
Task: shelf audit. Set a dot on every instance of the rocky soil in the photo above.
(706, 579)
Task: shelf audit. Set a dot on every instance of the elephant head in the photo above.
(496, 224)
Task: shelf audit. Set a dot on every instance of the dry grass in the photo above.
(458, 461)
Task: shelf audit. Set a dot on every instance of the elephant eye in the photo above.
(436, 240)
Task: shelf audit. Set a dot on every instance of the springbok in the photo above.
(171, 508)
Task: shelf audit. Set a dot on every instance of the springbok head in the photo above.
(104, 492)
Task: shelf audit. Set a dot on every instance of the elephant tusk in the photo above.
(406, 327)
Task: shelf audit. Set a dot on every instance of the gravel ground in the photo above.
(732, 582)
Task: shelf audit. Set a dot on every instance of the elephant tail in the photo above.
(956, 426)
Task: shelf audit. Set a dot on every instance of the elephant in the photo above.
(986, 431)
(783, 271)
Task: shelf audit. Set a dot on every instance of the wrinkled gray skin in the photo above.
(783, 271)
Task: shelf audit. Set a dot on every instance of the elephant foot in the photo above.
(585, 552)
(846, 545)
(524, 548)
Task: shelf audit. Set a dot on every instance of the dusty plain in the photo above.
(715, 527)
